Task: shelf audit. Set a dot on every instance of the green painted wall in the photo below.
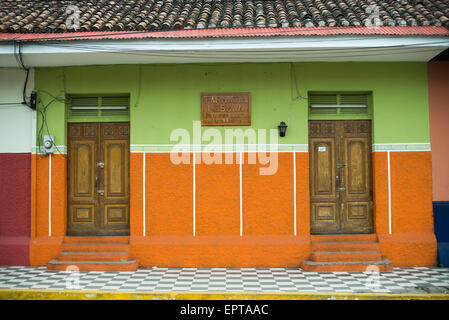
(166, 97)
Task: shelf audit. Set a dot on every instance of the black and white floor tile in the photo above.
(400, 280)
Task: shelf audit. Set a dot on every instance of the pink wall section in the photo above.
(15, 189)
(438, 74)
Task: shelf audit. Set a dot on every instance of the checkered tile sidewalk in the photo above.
(400, 280)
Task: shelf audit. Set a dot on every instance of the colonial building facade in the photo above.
(233, 147)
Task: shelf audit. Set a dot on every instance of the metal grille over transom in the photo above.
(332, 103)
(85, 107)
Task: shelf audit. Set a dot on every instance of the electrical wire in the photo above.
(43, 113)
(293, 84)
(19, 58)
(229, 54)
(44, 123)
(103, 48)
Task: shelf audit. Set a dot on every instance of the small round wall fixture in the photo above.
(282, 129)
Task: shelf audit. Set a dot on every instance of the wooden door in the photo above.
(340, 176)
(98, 178)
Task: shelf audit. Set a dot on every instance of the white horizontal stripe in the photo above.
(163, 148)
(166, 148)
(401, 147)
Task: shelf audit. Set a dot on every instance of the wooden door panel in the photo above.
(82, 198)
(114, 152)
(116, 214)
(323, 193)
(83, 214)
(357, 182)
(357, 211)
(357, 204)
(325, 217)
(323, 158)
(340, 176)
(116, 163)
(83, 177)
(98, 179)
(357, 218)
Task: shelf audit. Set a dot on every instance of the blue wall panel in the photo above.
(441, 226)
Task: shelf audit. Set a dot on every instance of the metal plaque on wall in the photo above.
(225, 109)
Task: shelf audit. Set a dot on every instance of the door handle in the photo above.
(337, 184)
(100, 164)
(100, 192)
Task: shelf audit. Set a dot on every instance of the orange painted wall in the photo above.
(42, 195)
(302, 194)
(43, 247)
(412, 241)
(438, 77)
(216, 251)
(268, 199)
(411, 197)
(268, 212)
(136, 193)
(169, 209)
(267, 239)
(380, 188)
(217, 198)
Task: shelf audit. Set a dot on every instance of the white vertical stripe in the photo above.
(294, 193)
(194, 195)
(241, 198)
(389, 193)
(49, 195)
(144, 194)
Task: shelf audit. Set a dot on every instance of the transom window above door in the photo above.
(98, 108)
(331, 105)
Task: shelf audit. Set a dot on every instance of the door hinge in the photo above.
(341, 165)
(100, 192)
(100, 164)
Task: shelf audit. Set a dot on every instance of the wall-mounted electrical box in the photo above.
(33, 98)
(49, 144)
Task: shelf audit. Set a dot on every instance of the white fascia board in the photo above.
(230, 44)
(267, 49)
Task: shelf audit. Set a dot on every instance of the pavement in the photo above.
(223, 283)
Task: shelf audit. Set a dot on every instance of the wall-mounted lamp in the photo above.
(282, 129)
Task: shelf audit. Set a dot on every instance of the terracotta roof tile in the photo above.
(230, 33)
(49, 16)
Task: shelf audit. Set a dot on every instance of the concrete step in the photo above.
(354, 266)
(343, 237)
(130, 265)
(93, 256)
(123, 240)
(94, 247)
(345, 246)
(329, 256)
